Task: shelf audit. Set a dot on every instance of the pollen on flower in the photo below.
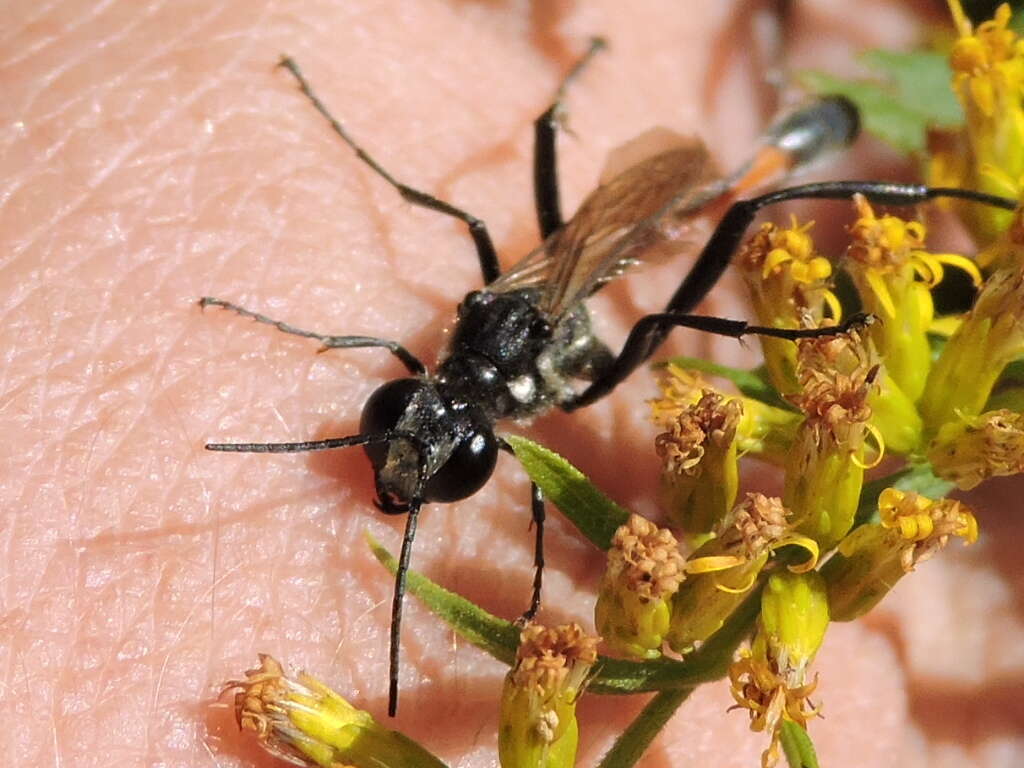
(646, 559)
(756, 526)
(836, 376)
(771, 250)
(968, 451)
(924, 524)
(538, 702)
(885, 245)
(551, 659)
(711, 421)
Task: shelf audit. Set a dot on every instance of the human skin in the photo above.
(151, 154)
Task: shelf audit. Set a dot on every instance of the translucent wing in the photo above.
(648, 204)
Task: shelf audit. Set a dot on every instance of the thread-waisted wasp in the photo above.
(521, 341)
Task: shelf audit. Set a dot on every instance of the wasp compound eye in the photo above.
(383, 412)
(470, 466)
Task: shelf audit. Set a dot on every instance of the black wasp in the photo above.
(520, 342)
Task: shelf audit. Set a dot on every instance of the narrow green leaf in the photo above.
(797, 746)
(596, 516)
(486, 631)
(634, 741)
(500, 639)
(754, 384)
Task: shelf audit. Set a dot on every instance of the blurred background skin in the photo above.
(150, 155)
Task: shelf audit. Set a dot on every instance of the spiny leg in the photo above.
(647, 334)
(537, 508)
(486, 254)
(329, 342)
(545, 156)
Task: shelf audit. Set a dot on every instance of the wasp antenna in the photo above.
(309, 445)
(396, 603)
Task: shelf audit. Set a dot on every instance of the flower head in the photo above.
(825, 468)
(894, 275)
(770, 679)
(723, 570)
(538, 701)
(967, 451)
(699, 453)
(990, 337)
(875, 556)
(988, 79)
(645, 568)
(788, 282)
(303, 721)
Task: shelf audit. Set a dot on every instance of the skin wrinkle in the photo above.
(99, 177)
(295, 254)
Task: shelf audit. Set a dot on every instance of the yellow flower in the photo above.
(894, 275)
(988, 79)
(538, 727)
(770, 679)
(645, 568)
(874, 557)
(305, 723)
(825, 468)
(967, 451)
(788, 282)
(722, 571)
(990, 337)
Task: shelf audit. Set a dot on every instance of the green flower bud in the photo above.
(645, 568)
(794, 617)
(701, 474)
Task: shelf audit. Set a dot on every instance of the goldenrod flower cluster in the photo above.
(908, 385)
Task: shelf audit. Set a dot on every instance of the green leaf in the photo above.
(797, 746)
(486, 631)
(922, 81)
(918, 478)
(596, 516)
(634, 741)
(754, 384)
(500, 639)
(911, 95)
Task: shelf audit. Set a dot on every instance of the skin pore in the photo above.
(151, 155)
